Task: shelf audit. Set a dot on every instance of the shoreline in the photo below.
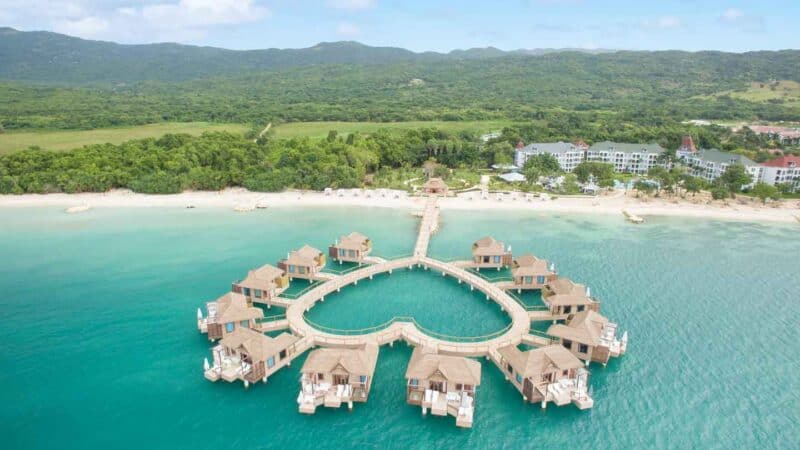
(615, 203)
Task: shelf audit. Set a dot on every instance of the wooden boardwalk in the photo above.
(427, 226)
(406, 329)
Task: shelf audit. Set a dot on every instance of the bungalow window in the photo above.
(229, 327)
(540, 279)
(351, 253)
(291, 269)
(362, 378)
(519, 378)
(271, 362)
(467, 387)
(320, 376)
(302, 269)
(497, 259)
(247, 292)
(258, 293)
(413, 382)
(244, 323)
(566, 343)
(567, 309)
(581, 308)
(459, 386)
(583, 348)
(510, 369)
(528, 280)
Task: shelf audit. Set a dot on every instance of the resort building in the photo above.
(332, 376)
(590, 337)
(782, 170)
(351, 248)
(563, 296)
(443, 384)
(249, 356)
(435, 186)
(264, 283)
(530, 272)
(304, 263)
(627, 158)
(568, 155)
(490, 253)
(790, 136)
(710, 164)
(228, 314)
(547, 374)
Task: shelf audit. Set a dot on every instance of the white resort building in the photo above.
(627, 158)
(568, 155)
(710, 164)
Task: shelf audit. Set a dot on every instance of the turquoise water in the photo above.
(100, 347)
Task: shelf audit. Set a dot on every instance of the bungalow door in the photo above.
(527, 388)
(437, 386)
(340, 379)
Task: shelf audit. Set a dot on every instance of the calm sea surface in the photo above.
(99, 346)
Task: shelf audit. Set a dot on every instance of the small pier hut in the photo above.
(228, 314)
(249, 356)
(443, 384)
(353, 247)
(304, 263)
(332, 376)
(563, 296)
(489, 253)
(530, 272)
(547, 374)
(264, 283)
(435, 186)
(590, 337)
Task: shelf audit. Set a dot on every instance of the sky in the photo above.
(422, 25)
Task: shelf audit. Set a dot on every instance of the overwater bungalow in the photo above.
(332, 376)
(444, 384)
(304, 263)
(353, 247)
(228, 314)
(249, 356)
(590, 337)
(547, 374)
(264, 283)
(490, 253)
(530, 272)
(435, 186)
(563, 296)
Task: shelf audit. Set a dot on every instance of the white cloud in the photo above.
(169, 20)
(88, 27)
(663, 22)
(732, 15)
(736, 18)
(352, 5)
(347, 30)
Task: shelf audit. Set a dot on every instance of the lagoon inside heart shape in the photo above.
(437, 303)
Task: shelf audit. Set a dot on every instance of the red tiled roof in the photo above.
(783, 161)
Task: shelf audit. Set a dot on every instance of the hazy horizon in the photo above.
(437, 26)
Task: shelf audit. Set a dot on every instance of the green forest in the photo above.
(54, 82)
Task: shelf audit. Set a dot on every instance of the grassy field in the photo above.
(321, 129)
(11, 141)
(762, 92)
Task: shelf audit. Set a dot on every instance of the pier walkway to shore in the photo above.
(428, 226)
(406, 328)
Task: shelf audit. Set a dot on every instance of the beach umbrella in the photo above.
(552, 267)
(206, 365)
(624, 337)
(199, 314)
(588, 291)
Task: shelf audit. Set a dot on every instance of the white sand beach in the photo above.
(236, 198)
